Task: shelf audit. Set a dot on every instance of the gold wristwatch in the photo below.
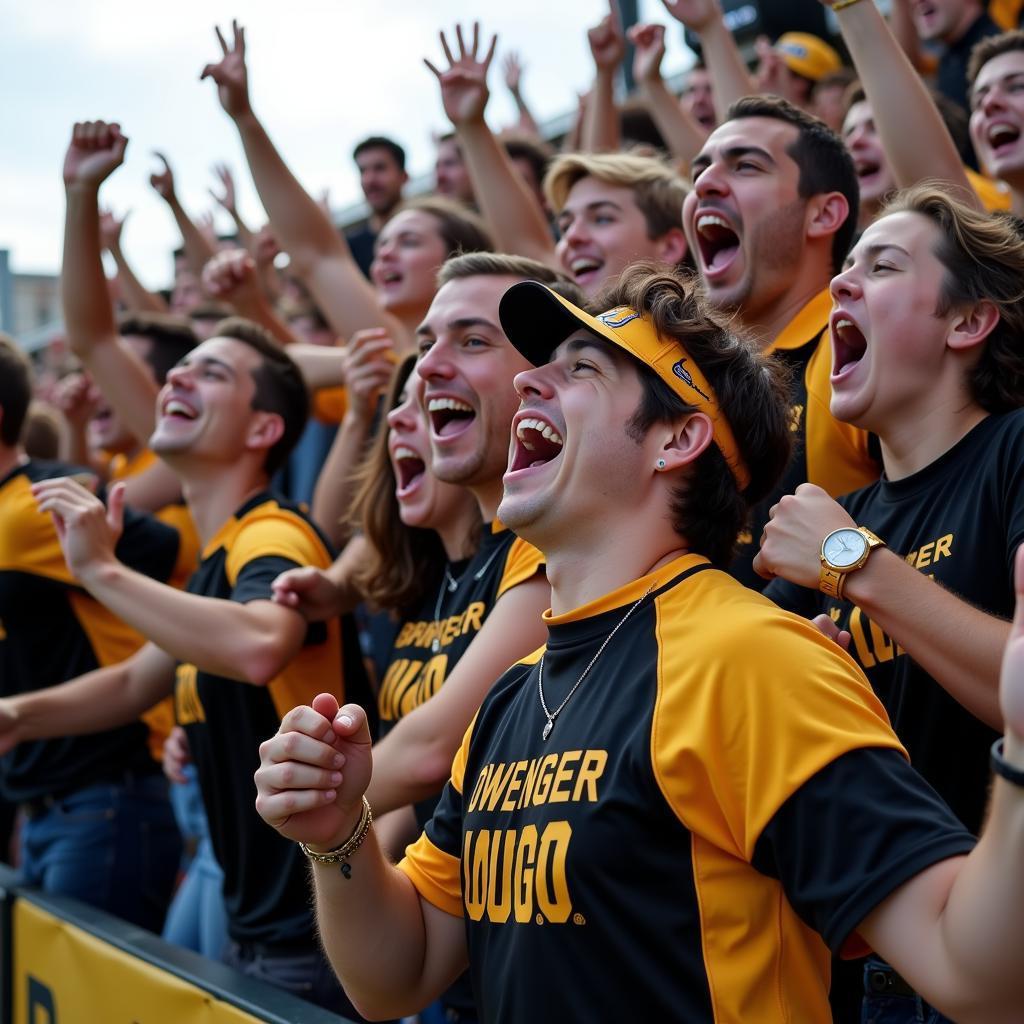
(844, 551)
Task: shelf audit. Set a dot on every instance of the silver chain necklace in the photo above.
(552, 715)
(449, 585)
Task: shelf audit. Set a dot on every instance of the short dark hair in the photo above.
(170, 337)
(382, 142)
(15, 390)
(495, 264)
(824, 161)
(989, 47)
(983, 256)
(537, 153)
(279, 385)
(461, 229)
(708, 508)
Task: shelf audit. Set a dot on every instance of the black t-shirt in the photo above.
(361, 242)
(960, 521)
(951, 79)
(266, 888)
(52, 630)
(723, 780)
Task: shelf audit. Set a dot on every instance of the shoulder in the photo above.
(272, 528)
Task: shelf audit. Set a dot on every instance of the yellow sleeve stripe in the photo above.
(435, 874)
(523, 563)
(280, 534)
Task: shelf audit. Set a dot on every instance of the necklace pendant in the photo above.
(547, 729)
(435, 645)
(452, 586)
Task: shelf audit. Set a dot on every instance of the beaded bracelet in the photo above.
(347, 848)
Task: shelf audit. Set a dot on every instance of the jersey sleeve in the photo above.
(524, 561)
(851, 835)
(267, 547)
(148, 545)
(433, 861)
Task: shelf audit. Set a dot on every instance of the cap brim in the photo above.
(537, 320)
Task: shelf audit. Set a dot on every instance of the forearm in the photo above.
(246, 238)
(904, 31)
(372, 928)
(198, 250)
(410, 764)
(527, 122)
(511, 210)
(74, 448)
(221, 637)
(682, 134)
(321, 366)
(912, 131)
(601, 117)
(332, 497)
(958, 645)
(153, 489)
(729, 76)
(135, 294)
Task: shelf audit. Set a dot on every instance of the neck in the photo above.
(769, 321)
(584, 570)
(10, 457)
(968, 16)
(458, 534)
(922, 435)
(488, 497)
(214, 495)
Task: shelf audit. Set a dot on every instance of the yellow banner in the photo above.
(64, 975)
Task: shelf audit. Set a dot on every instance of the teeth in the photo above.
(841, 325)
(583, 263)
(437, 404)
(542, 428)
(401, 452)
(999, 132)
(174, 407)
(709, 219)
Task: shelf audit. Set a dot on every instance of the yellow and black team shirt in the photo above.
(160, 718)
(959, 521)
(720, 803)
(429, 644)
(51, 630)
(265, 877)
(827, 452)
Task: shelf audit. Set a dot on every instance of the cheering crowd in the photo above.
(606, 565)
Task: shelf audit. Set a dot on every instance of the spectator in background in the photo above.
(828, 97)
(696, 98)
(382, 176)
(451, 177)
(793, 67)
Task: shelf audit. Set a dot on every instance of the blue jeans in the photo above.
(197, 919)
(112, 845)
(887, 999)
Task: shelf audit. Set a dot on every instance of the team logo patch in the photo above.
(684, 375)
(618, 317)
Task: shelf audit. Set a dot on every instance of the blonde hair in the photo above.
(657, 190)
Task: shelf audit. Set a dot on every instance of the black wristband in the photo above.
(1002, 767)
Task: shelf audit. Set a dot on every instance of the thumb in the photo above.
(350, 724)
(115, 508)
(325, 704)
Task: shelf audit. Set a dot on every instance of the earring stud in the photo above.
(661, 463)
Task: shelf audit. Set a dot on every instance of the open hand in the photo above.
(607, 41)
(464, 91)
(225, 198)
(230, 73)
(512, 68)
(696, 15)
(314, 771)
(96, 151)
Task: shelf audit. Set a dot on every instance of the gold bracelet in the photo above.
(347, 848)
(840, 5)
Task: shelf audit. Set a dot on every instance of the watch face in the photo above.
(844, 547)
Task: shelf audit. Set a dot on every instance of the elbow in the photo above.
(263, 662)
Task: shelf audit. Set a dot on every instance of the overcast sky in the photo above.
(322, 75)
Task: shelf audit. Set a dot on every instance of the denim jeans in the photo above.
(197, 919)
(112, 845)
(888, 1007)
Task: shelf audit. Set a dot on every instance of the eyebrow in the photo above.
(592, 341)
(734, 153)
(461, 324)
(871, 251)
(1001, 80)
(207, 361)
(589, 208)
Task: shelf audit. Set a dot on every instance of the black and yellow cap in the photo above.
(537, 320)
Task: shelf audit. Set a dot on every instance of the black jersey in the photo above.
(960, 521)
(52, 630)
(826, 452)
(265, 876)
(723, 781)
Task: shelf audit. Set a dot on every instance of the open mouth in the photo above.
(174, 409)
(848, 346)
(718, 243)
(102, 416)
(866, 169)
(449, 416)
(1002, 136)
(409, 469)
(537, 443)
(586, 268)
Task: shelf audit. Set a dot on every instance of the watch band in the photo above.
(1002, 767)
(830, 582)
(832, 579)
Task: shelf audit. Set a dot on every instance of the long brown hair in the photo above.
(405, 562)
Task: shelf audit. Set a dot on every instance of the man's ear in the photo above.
(672, 247)
(686, 442)
(265, 430)
(826, 214)
(970, 327)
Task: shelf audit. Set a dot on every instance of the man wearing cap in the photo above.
(677, 784)
(794, 65)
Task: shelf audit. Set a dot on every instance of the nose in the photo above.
(710, 182)
(434, 364)
(992, 101)
(577, 232)
(180, 375)
(844, 285)
(403, 417)
(534, 383)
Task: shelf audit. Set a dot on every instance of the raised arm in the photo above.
(512, 67)
(198, 248)
(133, 292)
(601, 117)
(956, 931)
(96, 150)
(510, 208)
(912, 132)
(682, 134)
(226, 200)
(415, 759)
(319, 253)
(729, 76)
